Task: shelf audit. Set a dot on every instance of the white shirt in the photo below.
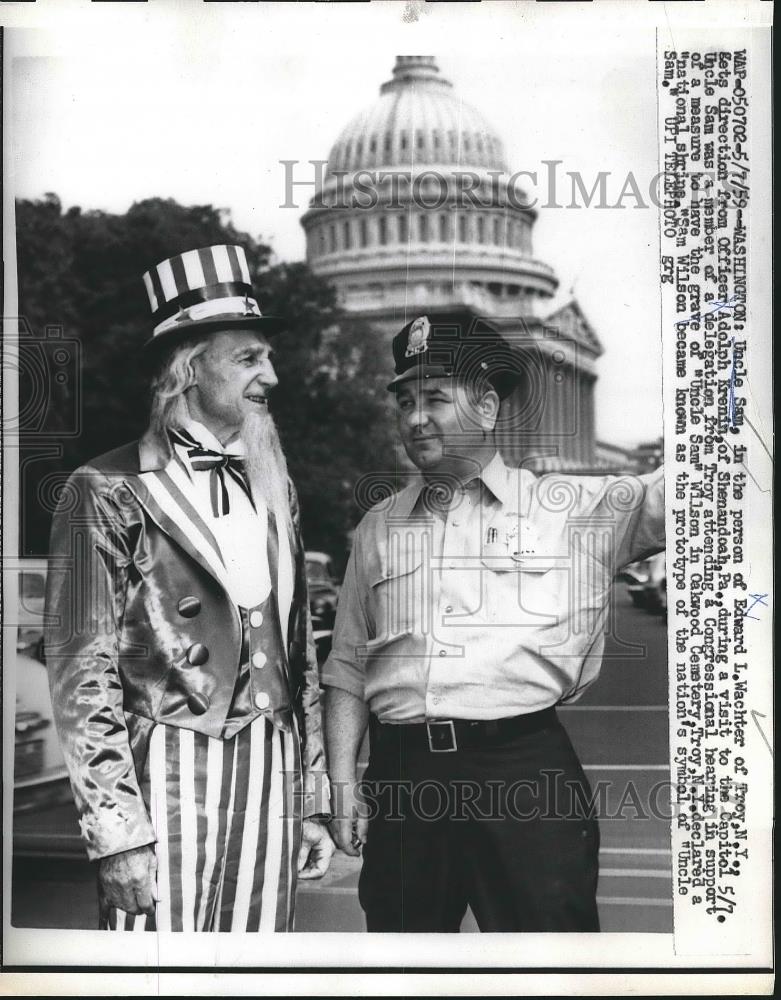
(242, 533)
(499, 607)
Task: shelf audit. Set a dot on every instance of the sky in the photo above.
(203, 108)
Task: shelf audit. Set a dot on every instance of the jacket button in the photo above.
(258, 659)
(256, 618)
(189, 607)
(197, 654)
(198, 703)
(262, 700)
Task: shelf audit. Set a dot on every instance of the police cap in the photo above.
(455, 344)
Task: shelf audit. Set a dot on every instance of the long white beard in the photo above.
(266, 466)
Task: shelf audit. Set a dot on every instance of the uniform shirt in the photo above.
(498, 607)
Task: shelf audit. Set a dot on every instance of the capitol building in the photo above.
(419, 213)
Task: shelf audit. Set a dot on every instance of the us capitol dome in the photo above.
(417, 213)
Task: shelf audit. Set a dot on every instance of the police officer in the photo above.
(473, 604)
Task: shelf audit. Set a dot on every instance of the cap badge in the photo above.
(417, 342)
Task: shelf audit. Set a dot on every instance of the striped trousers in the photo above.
(227, 818)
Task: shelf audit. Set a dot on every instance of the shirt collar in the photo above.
(204, 436)
(496, 476)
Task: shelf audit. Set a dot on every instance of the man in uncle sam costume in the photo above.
(475, 601)
(182, 667)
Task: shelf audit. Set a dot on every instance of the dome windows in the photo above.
(503, 230)
(417, 111)
(451, 138)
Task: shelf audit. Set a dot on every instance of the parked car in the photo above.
(656, 585)
(323, 589)
(635, 576)
(40, 776)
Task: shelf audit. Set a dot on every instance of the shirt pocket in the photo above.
(400, 599)
(524, 590)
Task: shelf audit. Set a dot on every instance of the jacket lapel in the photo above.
(158, 488)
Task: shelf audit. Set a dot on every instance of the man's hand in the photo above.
(128, 880)
(316, 851)
(351, 824)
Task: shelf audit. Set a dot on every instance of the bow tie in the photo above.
(217, 464)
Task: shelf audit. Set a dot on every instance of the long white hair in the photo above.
(265, 461)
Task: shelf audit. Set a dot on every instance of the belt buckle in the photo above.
(448, 730)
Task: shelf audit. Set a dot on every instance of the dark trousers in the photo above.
(505, 829)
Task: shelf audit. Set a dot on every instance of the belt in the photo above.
(449, 735)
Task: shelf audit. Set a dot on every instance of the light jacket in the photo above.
(140, 630)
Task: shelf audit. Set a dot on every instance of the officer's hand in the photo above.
(351, 824)
(128, 880)
(316, 850)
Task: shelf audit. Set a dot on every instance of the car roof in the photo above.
(33, 565)
(321, 557)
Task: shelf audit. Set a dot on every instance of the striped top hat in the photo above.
(201, 291)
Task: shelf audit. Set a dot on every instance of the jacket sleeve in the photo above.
(316, 787)
(90, 556)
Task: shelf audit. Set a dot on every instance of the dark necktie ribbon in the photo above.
(217, 464)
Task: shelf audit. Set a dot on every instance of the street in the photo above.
(619, 729)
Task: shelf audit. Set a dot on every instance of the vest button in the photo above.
(258, 659)
(262, 700)
(198, 703)
(256, 618)
(189, 607)
(197, 654)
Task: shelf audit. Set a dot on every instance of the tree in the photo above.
(82, 271)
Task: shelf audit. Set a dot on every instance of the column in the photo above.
(589, 388)
(560, 398)
(580, 399)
